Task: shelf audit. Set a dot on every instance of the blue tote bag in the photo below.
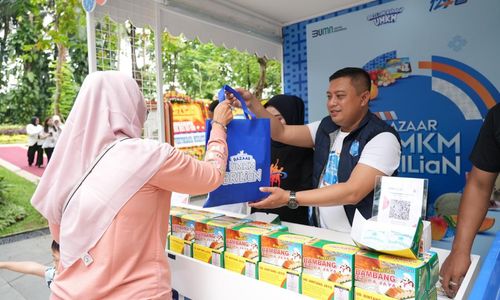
(248, 165)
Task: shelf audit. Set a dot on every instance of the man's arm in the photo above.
(473, 208)
(295, 135)
(25, 267)
(360, 183)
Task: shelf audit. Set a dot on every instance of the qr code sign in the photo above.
(400, 210)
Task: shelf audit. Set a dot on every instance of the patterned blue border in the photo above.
(295, 52)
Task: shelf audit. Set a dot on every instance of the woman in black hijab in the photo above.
(291, 167)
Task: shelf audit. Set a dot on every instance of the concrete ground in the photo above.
(33, 246)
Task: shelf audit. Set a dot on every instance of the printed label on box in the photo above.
(317, 288)
(284, 249)
(240, 265)
(206, 254)
(281, 277)
(180, 246)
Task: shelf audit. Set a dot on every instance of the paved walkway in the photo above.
(31, 246)
(13, 157)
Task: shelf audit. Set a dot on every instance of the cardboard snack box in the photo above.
(177, 211)
(210, 238)
(212, 232)
(243, 246)
(284, 249)
(391, 276)
(183, 225)
(328, 269)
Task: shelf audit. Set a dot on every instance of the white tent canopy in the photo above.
(247, 25)
(254, 26)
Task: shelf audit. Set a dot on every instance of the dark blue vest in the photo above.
(369, 127)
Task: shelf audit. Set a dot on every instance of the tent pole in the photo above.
(91, 42)
(163, 131)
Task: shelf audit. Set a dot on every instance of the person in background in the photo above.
(34, 268)
(108, 212)
(291, 166)
(485, 158)
(211, 108)
(56, 120)
(49, 136)
(351, 145)
(33, 130)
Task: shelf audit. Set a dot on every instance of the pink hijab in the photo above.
(109, 107)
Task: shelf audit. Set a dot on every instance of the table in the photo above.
(201, 281)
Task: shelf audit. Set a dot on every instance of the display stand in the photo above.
(202, 281)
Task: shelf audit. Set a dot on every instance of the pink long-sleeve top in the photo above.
(129, 260)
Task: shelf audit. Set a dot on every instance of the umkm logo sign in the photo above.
(385, 16)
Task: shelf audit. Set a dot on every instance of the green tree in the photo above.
(28, 65)
(67, 17)
(67, 91)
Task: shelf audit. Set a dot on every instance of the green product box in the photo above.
(391, 276)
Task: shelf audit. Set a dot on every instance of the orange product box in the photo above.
(328, 270)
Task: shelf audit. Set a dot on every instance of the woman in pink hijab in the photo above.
(106, 193)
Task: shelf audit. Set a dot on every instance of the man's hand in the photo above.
(453, 272)
(277, 198)
(246, 95)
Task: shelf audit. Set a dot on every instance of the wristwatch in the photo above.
(292, 201)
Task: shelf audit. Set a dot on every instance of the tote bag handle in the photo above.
(222, 97)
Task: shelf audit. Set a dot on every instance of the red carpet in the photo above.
(18, 156)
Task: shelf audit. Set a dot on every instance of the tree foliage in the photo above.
(43, 60)
(37, 35)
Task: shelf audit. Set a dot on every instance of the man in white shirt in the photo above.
(352, 147)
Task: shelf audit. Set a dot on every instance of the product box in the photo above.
(284, 249)
(243, 246)
(432, 266)
(328, 270)
(178, 245)
(285, 278)
(391, 276)
(210, 238)
(183, 226)
(281, 261)
(177, 211)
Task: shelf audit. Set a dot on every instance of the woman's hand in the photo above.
(223, 113)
